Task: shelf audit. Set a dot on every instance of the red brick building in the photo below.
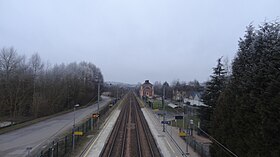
(147, 89)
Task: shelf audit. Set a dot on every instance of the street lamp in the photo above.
(163, 97)
(77, 105)
(98, 93)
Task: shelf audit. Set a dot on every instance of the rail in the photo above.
(131, 135)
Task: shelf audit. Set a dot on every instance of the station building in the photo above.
(147, 89)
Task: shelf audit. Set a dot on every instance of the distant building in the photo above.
(147, 89)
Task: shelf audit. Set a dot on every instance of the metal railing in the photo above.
(62, 146)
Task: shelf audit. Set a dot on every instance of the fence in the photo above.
(61, 147)
(201, 149)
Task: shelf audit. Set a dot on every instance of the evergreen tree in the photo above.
(210, 97)
(247, 118)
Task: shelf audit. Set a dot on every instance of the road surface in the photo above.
(15, 143)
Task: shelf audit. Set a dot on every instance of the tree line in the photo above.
(243, 107)
(31, 88)
(176, 85)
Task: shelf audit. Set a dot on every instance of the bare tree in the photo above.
(30, 90)
(36, 66)
(11, 70)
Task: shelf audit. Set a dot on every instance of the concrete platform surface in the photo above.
(98, 144)
(169, 142)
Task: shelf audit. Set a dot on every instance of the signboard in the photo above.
(95, 115)
(178, 117)
(79, 133)
(165, 122)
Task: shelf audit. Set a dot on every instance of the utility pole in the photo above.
(164, 113)
(183, 114)
(187, 137)
(98, 93)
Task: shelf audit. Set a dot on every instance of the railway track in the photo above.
(131, 136)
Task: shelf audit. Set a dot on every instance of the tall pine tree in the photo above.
(247, 118)
(210, 96)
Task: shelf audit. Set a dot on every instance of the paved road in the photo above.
(14, 144)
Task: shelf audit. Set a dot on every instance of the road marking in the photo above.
(171, 147)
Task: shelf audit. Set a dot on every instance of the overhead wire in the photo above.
(216, 141)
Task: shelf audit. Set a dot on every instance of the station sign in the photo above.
(178, 117)
(165, 122)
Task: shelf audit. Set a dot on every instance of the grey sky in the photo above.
(133, 40)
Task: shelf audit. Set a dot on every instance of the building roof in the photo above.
(172, 105)
(147, 82)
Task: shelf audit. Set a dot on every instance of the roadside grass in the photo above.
(179, 124)
(157, 104)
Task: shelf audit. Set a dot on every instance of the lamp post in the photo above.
(73, 132)
(183, 112)
(164, 113)
(98, 93)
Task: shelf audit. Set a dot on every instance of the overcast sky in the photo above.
(133, 40)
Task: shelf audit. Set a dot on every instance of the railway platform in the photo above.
(170, 145)
(169, 141)
(96, 147)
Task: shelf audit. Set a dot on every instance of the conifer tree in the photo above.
(246, 118)
(211, 95)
